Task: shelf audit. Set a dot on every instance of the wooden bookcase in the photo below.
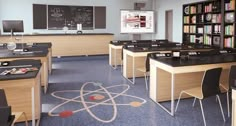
(210, 22)
(229, 24)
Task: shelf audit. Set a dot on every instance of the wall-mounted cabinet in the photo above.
(210, 22)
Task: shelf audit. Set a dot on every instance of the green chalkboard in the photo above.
(60, 16)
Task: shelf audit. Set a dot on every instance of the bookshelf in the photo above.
(229, 24)
(202, 22)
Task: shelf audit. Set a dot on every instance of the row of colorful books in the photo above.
(229, 42)
(230, 5)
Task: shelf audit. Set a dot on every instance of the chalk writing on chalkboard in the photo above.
(70, 16)
(56, 16)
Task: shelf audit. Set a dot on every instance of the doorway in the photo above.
(169, 25)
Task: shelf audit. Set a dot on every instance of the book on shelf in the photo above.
(217, 29)
(230, 5)
(200, 30)
(216, 18)
(192, 29)
(229, 30)
(199, 8)
(186, 19)
(229, 42)
(192, 10)
(192, 38)
(186, 29)
(208, 29)
(207, 40)
(208, 8)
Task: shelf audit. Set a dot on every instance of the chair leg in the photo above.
(26, 120)
(194, 102)
(228, 103)
(178, 101)
(203, 116)
(145, 77)
(18, 115)
(222, 112)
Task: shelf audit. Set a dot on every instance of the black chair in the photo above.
(8, 118)
(5, 111)
(232, 78)
(209, 87)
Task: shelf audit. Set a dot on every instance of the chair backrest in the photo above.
(148, 60)
(3, 99)
(210, 82)
(5, 110)
(5, 114)
(232, 76)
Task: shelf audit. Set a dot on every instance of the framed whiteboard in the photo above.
(137, 21)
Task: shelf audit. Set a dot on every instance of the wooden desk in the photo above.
(24, 95)
(43, 45)
(70, 44)
(233, 122)
(43, 57)
(115, 55)
(135, 58)
(47, 45)
(169, 77)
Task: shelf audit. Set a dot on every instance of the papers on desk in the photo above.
(18, 70)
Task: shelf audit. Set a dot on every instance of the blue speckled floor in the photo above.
(71, 73)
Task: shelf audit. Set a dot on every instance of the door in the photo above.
(169, 25)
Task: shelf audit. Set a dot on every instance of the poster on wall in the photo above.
(137, 21)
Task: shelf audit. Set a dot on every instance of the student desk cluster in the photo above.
(23, 89)
(170, 75)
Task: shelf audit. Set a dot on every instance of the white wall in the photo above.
(22, 10)
(176, 5)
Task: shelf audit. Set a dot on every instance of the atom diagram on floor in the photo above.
(99, 96)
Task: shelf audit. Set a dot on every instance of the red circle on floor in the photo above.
(65, 114)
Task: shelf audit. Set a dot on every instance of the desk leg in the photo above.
(45, 77)
(133, 70)
(133, 79)
(172, 94)
(112, 58)
(33, 106)
(115, 67)
(171, 111)
(233, 118)
(50, 62)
